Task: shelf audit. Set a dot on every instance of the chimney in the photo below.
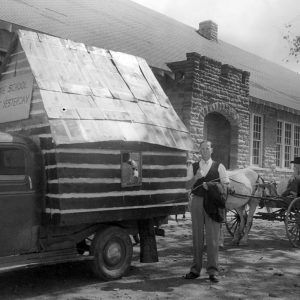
(209, 30)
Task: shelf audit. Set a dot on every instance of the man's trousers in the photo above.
(212, 233)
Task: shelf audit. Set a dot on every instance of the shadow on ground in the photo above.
(268, 267)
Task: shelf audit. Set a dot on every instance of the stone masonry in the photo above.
(202, 86)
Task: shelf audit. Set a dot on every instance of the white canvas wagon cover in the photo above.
(95, 95)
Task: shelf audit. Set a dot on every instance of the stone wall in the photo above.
(270, 116)
(202, 86)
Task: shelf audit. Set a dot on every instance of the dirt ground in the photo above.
(268, 268)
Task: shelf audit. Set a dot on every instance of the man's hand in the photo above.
(204, 184)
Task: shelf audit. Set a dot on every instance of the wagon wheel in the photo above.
(292, 222)
(233, 220)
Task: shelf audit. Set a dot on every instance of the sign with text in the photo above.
(15, 98)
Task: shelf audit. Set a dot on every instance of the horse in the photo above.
(249, 188)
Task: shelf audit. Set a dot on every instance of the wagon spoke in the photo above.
(296, 236)
(292, 230)
(232, 221)
(234, 224)
(292, 222)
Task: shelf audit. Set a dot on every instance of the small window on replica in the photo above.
(130, 169)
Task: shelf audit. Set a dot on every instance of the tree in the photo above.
(293, 43)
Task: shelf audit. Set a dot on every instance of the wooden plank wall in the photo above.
(36, 125)
(85, 185)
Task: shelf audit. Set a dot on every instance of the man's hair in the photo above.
(206, 141)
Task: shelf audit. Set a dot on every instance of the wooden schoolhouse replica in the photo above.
(86, 108)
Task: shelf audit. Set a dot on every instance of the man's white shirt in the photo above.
(204, 167)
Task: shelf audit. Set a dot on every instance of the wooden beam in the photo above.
(148, 247)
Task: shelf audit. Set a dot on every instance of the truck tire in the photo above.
(112, 251)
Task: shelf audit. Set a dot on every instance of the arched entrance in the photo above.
(217, 129)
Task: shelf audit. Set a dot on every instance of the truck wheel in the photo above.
(112, 251)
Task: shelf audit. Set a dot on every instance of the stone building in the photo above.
(247, 106)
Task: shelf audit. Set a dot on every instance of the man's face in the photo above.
(296, 169)
(206, 151)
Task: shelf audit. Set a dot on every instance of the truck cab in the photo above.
(21, 180)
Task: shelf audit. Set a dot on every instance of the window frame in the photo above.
(287, 156)
(283, 144)
(296, 153)
(140, 177)
(280, 144)
(16, 179)
(260, 156)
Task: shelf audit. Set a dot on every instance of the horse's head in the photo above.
(266, 188)
(271, 188)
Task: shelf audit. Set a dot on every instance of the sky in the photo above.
(257, 26)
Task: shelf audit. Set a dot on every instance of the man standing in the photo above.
(199, 174)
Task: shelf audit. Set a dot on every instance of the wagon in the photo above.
(285, 209)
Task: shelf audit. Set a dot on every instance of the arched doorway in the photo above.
(217, 129)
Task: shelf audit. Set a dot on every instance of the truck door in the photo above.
(17, 200)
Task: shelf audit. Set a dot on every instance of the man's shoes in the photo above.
(191, 275)
(213, 278)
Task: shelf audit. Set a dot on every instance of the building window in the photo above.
(297, 141)
(131, 169)
(287, 143)
(256, 140)
(279, 144)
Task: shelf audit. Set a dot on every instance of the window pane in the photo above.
(278, 144)
(131, 169)
(278, 155)
(256, 136)
(287, 156)
(12, 162)
(256, 152)
(297, 136)
(288, 134)
(257, 128)
(279, 132)
(297, 151)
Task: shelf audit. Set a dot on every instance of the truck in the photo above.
(91, 152)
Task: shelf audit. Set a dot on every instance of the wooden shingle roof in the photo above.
(95, 95)
(122, 25)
